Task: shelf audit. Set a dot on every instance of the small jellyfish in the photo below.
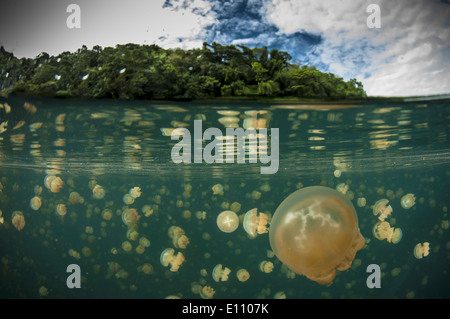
(254, 224)
(217, 189)
(382, 230)
(147, 210)
(266, 266)
(135, 192)
(127, 199)
(408, 201)
(35, 203)
(315, 232)
(53, 183)
(43, 292)
(98, 192)
(207, 292)
(227, 221)
(143, 241)
(342, 188)
(279, 295)
(179, 239)
(74, 198)
(18, 220)
(421, 250)
(126, 246)
(61, 209)
(130, 216)
(361, 202)
(220, 274)
(140, 249)
(242, 275)
(168, 257)
(147, 268)
(107, 214)
(380, 208)
(132, 234)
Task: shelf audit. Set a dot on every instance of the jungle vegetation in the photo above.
(132, 71)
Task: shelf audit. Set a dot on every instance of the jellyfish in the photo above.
(266, 266)
(132, 234)
(421, 250)
(53, 183)
(126, 246)
(74, 198)
(127, 199)
(217, 189)
(279, 295)
(98, 192)
(168, 257)
(147, 210)
(207, 292)
(43, 292)
(147, 268)
(220, 274)
(61, 209)
(242, 275)
(35, 203)
(361, 202)
(107, 214)
(382, 230)
(408, 201)
(342, 188)
(140, 249)
(18, 220)
(179, 239)
(254, 224)
(144, 242)
(381, 209)
(130, 216)
(227, 221)
(135, 192)
(315, 231)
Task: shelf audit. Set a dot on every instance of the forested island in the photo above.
(132, 71)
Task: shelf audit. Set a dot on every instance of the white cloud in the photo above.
(404, 57)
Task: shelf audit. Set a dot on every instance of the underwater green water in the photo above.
(383, 150)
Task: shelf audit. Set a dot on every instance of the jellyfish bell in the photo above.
(408, 201)
(227, 221)
(18, 220)
(255, 224)
(315, 231)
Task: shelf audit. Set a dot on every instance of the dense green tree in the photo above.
(131, 71)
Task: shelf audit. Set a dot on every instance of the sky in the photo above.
(408, 55)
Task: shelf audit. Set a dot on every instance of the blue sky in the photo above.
(408, 55)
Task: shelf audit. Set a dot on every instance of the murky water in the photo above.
(383, 150)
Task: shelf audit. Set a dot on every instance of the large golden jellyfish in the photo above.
(315, 231)
(18, 220)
